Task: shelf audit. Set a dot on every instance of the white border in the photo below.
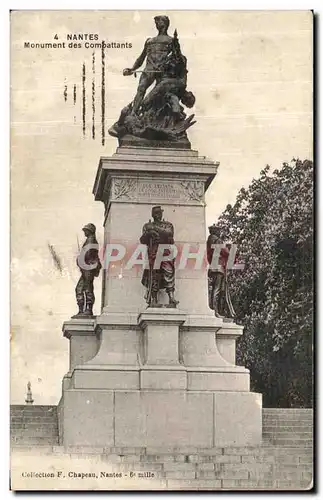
(163, 6)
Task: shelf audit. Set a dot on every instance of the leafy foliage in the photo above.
(272, 224)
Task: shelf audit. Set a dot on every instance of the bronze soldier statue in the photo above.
(155, 52)
(154, 233)
(90, 257)
(219, 297)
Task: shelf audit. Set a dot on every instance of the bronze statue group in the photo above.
(156, 278)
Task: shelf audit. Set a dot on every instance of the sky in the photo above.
(251, 73)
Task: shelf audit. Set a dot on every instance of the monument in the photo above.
(157, 366)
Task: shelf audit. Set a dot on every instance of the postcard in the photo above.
(161, 250)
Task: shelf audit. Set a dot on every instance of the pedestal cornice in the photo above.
(79, 326)
(161, 316)
(131, 175)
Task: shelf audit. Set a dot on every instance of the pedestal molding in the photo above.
(162, 316)
(106, 367)
(178, 367)
(78, 327)
(219, 369)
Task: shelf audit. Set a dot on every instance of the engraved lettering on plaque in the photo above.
(160, 190)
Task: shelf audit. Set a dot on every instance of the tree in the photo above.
(272, 224)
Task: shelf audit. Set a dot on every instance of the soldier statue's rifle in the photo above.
(79, 250)
(227, 296)
(151, 269)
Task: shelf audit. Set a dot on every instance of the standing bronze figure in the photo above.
(155, 51)
(154, 233)
(88, 256)
(158, 115)
(219, 297)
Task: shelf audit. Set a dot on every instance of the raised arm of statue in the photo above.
(138, 62)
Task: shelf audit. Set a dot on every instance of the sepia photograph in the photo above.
(161, 260)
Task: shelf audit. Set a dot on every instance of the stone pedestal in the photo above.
(156, 376)
(129, 184)
(161, 368)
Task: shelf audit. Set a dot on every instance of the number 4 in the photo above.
(55, 37)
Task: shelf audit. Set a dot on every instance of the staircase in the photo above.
(33, 425)
(284, 460)
(288, 427)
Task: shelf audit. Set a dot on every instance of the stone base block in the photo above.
(87, 418)
(160, 335)
(160, 418)
(105, 379)
(237, 418)
(163, 418)
(218, 380)
(163, 379)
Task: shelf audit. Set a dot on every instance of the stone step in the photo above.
(24, 426)
(292, 420)
(35, 440)
(37, 420)
(268, 455)
(32, 410)
(32, 430)
(32, 416)
(42, 438)
(263, 484)
(42, 448)
(33, 425)
(297, 442)
(287, 410)
(305, 415)
(286, 423)
(35, 415)
(21, 436)
(291, 435)
(288, 428)
(33, 422)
